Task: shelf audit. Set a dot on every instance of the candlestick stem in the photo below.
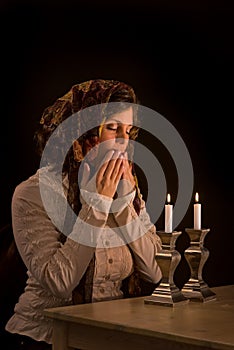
(168, 258)
(196, 255)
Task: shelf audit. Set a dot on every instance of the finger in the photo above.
(128, 161)
(110, 170)
(127, 167)
(113, 166)
(108, 164)
(104, 163)
(115, 169)
(119, 173)
(85, 175)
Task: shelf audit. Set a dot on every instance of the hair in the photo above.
(124, 98)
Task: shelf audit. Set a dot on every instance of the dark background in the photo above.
(177, 55)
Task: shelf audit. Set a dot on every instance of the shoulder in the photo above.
(27, 191)
(26, 186)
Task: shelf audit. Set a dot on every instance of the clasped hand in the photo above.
(114, 175)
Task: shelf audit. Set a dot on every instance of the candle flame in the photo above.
(196, 197)
(168, 198)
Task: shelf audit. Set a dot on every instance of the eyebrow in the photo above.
(109, 121)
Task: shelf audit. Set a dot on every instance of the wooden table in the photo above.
(132, 324)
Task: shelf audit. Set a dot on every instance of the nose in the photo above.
(122, 137)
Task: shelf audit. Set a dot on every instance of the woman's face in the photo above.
(115, 132)
(114, 135)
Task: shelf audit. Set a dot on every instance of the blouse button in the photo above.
(110, 261)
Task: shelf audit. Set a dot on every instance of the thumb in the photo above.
(85, 175)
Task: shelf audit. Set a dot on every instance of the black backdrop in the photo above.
(177, 55)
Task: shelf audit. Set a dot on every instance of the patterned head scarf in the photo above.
(84, 95)
(81, 96)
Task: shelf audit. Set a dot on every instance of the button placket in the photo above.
(107, 277)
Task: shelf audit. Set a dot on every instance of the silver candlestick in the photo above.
(196, 255)
(168, 258)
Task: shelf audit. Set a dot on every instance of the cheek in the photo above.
(105, 137)
(108, 143)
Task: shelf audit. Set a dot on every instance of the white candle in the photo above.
(168, 215)
(197, 213)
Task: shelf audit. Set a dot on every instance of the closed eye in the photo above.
(113, 127)
(129, 131)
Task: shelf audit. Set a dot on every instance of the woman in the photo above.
(68, 256)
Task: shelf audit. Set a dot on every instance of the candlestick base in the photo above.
(168, 258)
(196, 255)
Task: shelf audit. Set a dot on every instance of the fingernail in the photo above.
(112, 153)
(118, 154)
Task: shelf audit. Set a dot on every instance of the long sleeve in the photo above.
(58, 267)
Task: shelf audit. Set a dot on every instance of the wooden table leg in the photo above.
(60, 336)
